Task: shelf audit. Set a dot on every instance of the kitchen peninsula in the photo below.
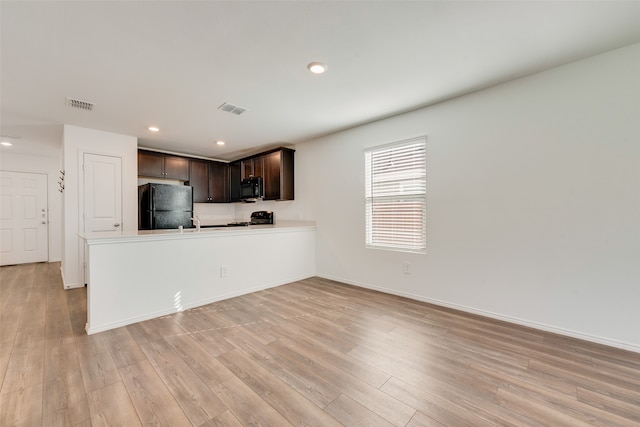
(147, 274)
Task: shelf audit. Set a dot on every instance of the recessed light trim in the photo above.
(154, 129)
(317, 67)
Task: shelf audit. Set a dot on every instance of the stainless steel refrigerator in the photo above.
(163, 206)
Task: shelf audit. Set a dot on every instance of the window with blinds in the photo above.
(396, 196)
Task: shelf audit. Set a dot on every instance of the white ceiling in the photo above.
(172, 63)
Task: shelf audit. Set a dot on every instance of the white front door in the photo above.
(23, 218)
(102, 194)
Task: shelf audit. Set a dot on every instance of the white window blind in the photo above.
(395, 195)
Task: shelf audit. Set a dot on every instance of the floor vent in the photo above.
(76, 103)
(233, 109)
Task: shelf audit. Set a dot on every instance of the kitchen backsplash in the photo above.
(283, 210)
(222, 213)
(215, 213)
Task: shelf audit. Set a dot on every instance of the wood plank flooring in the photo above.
(314, 352)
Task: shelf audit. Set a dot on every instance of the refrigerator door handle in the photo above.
(153, 207)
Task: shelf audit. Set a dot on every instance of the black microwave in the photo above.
(251, 189)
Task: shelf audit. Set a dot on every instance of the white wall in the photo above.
(76, 142)
(49, 166)
(533, 201)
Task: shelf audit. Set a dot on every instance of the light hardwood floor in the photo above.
(314, 352)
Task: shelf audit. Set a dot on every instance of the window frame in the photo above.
(412, 235)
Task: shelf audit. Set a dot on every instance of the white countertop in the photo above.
(191, 233)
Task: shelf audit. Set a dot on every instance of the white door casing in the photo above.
(23, 218)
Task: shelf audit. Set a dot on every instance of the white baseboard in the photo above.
(515, 320)
(66, 285)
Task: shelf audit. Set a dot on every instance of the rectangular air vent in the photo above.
(233, 109)
(76, 103)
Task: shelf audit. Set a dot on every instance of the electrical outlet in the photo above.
(223, 271)
(406, 267)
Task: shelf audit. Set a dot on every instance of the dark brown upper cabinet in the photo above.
(210, 181)
(276, 169)
(160, 165)
(219, 182)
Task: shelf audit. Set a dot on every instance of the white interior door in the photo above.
(102, 194)
(23, 218)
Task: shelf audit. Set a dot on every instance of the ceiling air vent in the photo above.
(76, 103)
(233, 109)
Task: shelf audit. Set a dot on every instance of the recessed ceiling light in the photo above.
(317, 67)
(6, 143)
(220, 142)
(153, 129)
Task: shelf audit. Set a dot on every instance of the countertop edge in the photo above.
(207, 233)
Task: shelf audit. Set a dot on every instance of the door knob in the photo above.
(116, 225)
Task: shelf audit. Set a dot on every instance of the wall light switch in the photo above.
(406, 268)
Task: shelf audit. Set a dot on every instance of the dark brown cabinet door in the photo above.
(271, 177)
(150, 164)
(218, 182)
(253, 166)
(176, 167)
(235, 175)
(199, 173)
(278, 175)
(258, 166)
(246, 167)
(286, 174)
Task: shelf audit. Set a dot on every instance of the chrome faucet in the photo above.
(196, 220)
